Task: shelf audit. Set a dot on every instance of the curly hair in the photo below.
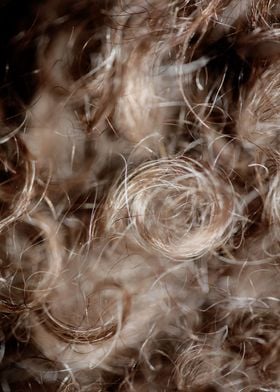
(140, 195)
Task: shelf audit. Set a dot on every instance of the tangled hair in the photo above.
(140, 195)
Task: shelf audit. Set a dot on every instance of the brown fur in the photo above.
(139, 195)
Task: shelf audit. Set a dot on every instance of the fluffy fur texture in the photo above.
(140, 195)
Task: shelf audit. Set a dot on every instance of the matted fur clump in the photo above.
(140, 195)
